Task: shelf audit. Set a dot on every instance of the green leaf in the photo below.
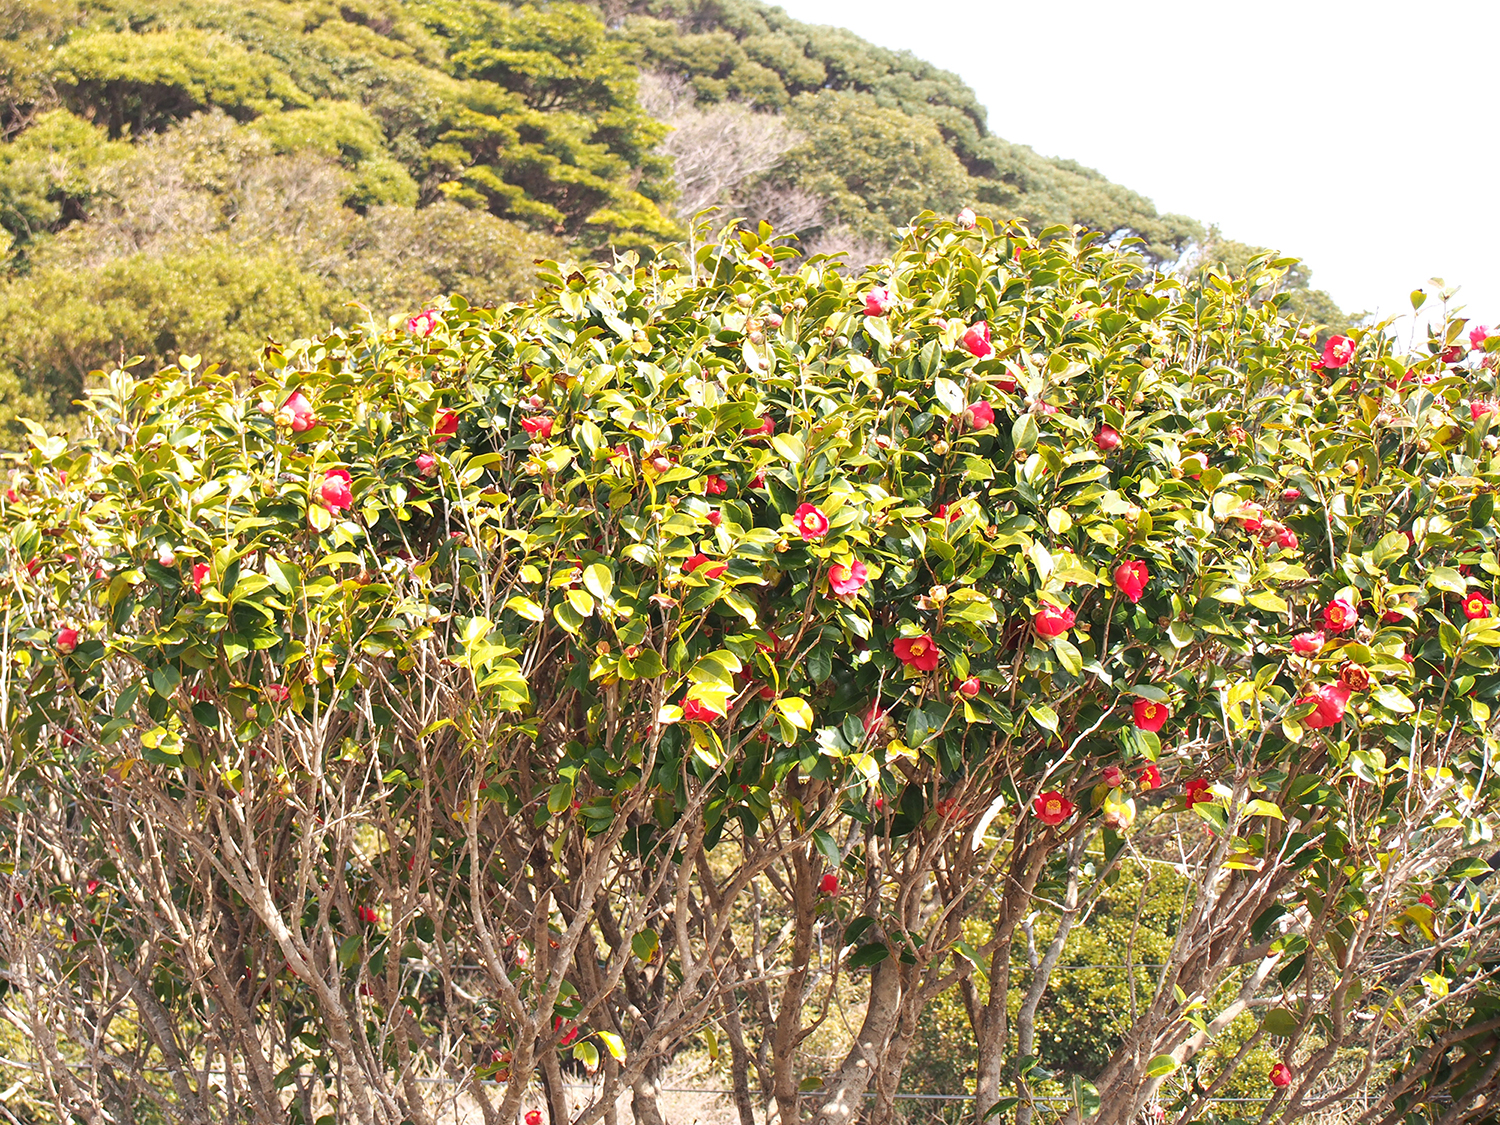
(1045, 717)
(1024, 433)
(598, 581)
(1161, 1065)
(790, 447)
(1264, 808)
(1279, 1021)
(349, 950)
(871, 954)
(526, 608)
(612, 1043)
(645, 944)
(797, 712)
(1068, 655)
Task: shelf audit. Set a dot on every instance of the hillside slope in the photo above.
(194, 176)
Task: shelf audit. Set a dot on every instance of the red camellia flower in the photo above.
(66, 640)
(1053, 621)
(829, 884)
(1308, 644)
(976, 340)
(1148, 777)
(1114, 776)
(1281, 1075)
(1251, 515)
(978, 416)
(200, 572)
(1052, 808)
(715, 485)
(1331, 700)
(1286, 539)
(1476, 605)
(1478, 335)
(878, 302)
(1338, 351)
(1150, 715)
(1108, 438)
(917, 652)
(1479, 408)
(764, 428)
(810, 522)
(969, 688)
(966, 218)
(334, 491)
(845, 581)
(423, 323)
(714, 517)
(538, 427)
(426, 464)
(1291, 495)
(1427, 899)
(1131, 579)
(1452, 354)
(1195, 792)
(533, 1117)
(446, 425)
(709, 571)
(300, 412)
(695, 710)
(1340, 615)
(277, 693)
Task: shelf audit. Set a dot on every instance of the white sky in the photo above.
(1361, 137)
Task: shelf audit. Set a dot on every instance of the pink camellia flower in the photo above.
(200, 572)
(1108, 438)
(334, 491)
(1308, 644)
(878, 302)
(1281, 1075)
(1195, 792)
(1478, 409)
(917, 652)
(1052, 808)
(976, 340)
(1286, 539)
(1338, 351)
(1149, 715)
(710, 570)
(1131, 579)
(446, 425)
(539, 427)
(277, 693)
(423, 324)
(1148, 777)
(166, 555)
(426, 464)
(1053, 621)
(969, 688)
(1340, 615)
(978, 416)
(1114, 776)
(1478, 335)
(810, 522)
(298, 413)
(66, 640)
(764, 428)
(1331, 701)
(715, 485)
(1476, 605)
(695, 710)
(845, 581)
(966, 218)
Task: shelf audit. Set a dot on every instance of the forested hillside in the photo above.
(194, 176)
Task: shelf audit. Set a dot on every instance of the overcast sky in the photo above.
(1361, 137)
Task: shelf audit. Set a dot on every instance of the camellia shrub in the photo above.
(701, 652)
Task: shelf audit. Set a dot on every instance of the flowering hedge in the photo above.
(440, 700)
